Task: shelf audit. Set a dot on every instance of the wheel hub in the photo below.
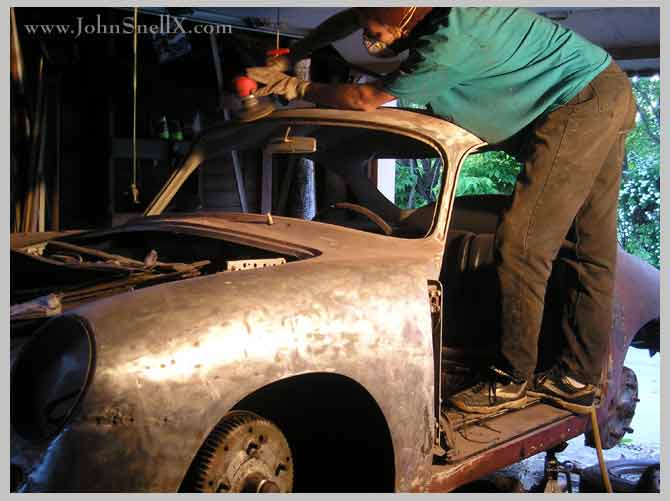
(244, 453)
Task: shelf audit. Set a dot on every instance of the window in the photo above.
(376, 174)
(488, 173)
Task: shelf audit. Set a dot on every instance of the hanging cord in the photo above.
(277, 26)
(133, 187)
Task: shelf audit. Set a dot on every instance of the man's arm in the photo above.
(366, 97)
(332, 29)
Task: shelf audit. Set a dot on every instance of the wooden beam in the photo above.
(627, 53)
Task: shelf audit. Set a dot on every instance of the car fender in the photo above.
(636, 302)
(171, 360)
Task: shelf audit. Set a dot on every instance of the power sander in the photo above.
(252, 107)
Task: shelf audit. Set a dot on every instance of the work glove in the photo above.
(277, 83)
(279, 63)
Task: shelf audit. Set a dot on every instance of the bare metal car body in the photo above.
(347, 308)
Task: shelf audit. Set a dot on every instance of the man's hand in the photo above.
(364, 97)
(278, 83)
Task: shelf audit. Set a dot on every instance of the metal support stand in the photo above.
(552, 468)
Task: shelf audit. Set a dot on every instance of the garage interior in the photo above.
(86, 89)
(77, 102)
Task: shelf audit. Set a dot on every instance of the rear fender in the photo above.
(636, 305)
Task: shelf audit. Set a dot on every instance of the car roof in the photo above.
(413, 120)
(450, 138)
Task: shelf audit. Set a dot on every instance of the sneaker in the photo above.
(559, 388)
(500, 390)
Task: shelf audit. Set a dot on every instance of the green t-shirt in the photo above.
(494, 70)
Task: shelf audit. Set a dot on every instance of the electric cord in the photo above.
(599, 451)
(599, 446)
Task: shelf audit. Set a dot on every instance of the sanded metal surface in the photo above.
(172, 359)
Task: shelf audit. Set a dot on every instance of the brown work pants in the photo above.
(568, 188)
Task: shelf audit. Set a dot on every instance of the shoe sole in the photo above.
(579, 409)
(515, 404)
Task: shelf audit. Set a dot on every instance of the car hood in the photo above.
(42, 287)
(316, 237)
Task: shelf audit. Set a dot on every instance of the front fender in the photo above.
(173, 359)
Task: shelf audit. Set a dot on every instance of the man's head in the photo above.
(388, 24)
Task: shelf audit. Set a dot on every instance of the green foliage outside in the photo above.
(418, 181)
(640, 197)
(492, 172)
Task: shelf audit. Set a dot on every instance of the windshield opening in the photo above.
(365, 179)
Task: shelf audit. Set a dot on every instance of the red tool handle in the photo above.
(244, 86)
(278, 52)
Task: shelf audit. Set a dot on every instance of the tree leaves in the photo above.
(647, 97)
(417, 182)
(639, 212)
(493, 172)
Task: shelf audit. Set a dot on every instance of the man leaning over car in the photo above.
(496, 72)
